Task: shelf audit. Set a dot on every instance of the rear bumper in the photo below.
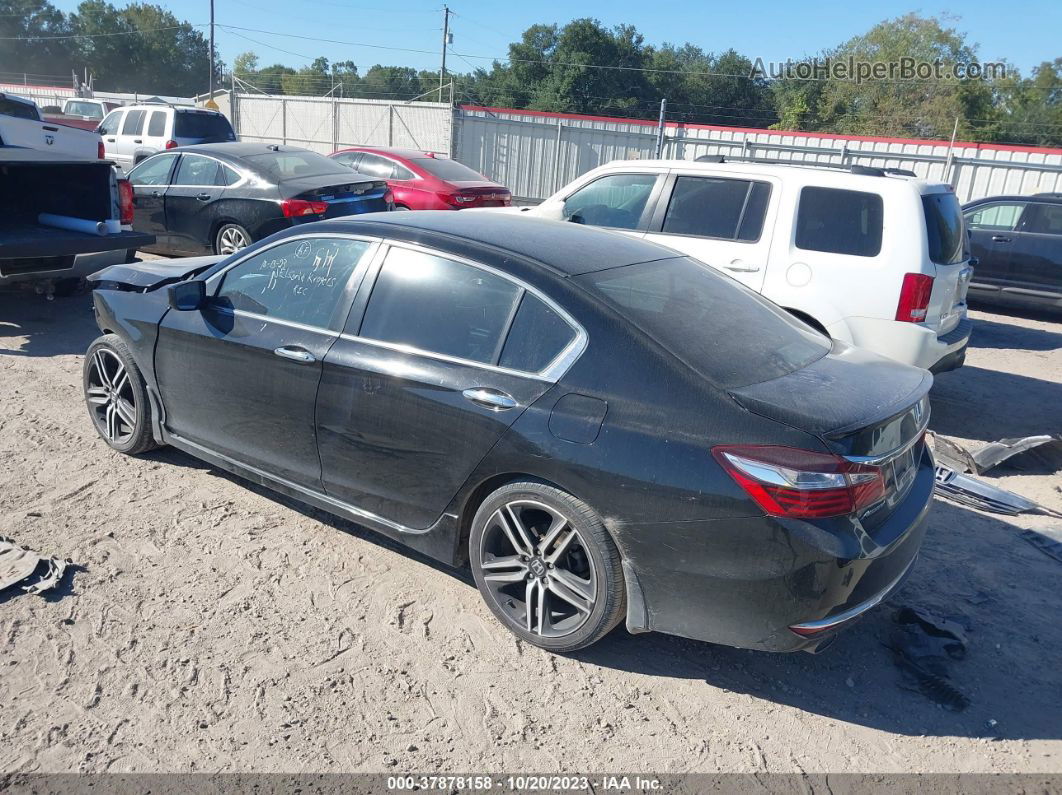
(749, 582)
(910, 343)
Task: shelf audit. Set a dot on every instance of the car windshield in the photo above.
(202, 125)
(447, 169)
(20, 110)
(298, 163)
(721, 329)
(89, 110)
(944, 228)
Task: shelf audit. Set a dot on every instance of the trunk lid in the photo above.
(482, 193)
(343, 198)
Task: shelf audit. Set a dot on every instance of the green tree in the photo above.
(39, 59)
(1030, 110)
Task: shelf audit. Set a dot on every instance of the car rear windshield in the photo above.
(447, 169)
(944, 228)
(296, 164)
(202, 125)
(717, 326)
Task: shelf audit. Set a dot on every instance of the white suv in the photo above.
(872, 257)
(135, 132)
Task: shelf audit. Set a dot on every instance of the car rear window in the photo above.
(721, 329)
(202, 125)
(297, 163)
(447, 169)
(20, 110)
(839, 221)
(944, 229)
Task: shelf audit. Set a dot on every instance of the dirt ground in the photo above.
(213, 626)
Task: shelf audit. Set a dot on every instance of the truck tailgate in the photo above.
(33, 240)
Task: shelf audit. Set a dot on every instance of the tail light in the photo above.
(101, 153)
(389, 199)
(801, 484)
(296, 208)
(458, 199)
(125, 201)
(914, 297)
(171, 144)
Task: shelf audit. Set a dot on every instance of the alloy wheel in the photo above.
(537, 569)
(111, 397)
(231, 240)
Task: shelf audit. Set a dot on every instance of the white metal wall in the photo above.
(535, 155)
(324, 124)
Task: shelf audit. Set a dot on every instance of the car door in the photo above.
(992, 231)
(239, 377)
(436, 363)
(108, 131)
(719, 221)
(191, 203)
(130, 138)
(1036, 261)
(150, 181)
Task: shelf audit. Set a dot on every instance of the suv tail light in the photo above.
(101, 153)
(801, 484)
(914, 297)
(125, 201)
(171, 144)
(296, 208)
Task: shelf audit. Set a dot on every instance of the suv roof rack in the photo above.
(867, 171)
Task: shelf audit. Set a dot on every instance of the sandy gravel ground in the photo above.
(214, 626)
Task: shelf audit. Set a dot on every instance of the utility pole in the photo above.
(445, 41)
(660, 129)
(210, 99)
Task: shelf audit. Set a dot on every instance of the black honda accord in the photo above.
(603, 429)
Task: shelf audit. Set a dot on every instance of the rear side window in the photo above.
(839, 221)
(376, 166)
(196, 170)
(730, 209)
(536, 338)
(996, 217)
(157, 123)
(20, 110)
(302, 281)
(944, 229)
(439, 305)
(698, 315)
(134, 123)
(190, 124)
(616, 201)
(1043, 218)
(226, 176)
(109, 126)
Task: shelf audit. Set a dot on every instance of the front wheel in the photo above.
(117, 396)
(546, 566)
(230, 238)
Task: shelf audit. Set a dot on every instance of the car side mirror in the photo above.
(973, 262)
(188, 296)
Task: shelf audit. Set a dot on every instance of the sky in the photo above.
(1024, 32)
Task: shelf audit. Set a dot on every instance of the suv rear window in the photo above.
(839, 221)
(944, 229)
(700, 316)
(190, 124)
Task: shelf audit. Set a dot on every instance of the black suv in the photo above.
(1018, 243)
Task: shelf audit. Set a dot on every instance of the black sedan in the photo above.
(603, 429)
(1017, 241)
(218, 198)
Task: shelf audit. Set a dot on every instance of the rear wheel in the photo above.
(230, 238)
(400, 207)
(546, 566)
(117, 396)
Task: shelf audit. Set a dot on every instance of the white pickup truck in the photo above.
(21, 125)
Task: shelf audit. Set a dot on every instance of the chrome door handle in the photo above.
(203, 197)
(295, 354)
(1000, 239)
(492, 399)
(740, 267)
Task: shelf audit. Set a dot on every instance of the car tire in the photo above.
(401, 208)
(227, 240)
(546, 566)
(64, 288)
(117, 399)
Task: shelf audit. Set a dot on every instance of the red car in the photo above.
(425, 181)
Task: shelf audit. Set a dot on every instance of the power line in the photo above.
(104, 35)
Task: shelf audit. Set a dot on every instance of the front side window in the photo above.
(134, 122)
(730, 209)
(1046, 219)
(615, 201)
(1001, 217)
(301, 281)
(196, 170)
(348, 159)
(839, 221)
(20, 110)
(440, 306)
(153, 171)
(109, 126)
